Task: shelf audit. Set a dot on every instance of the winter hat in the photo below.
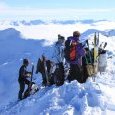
(25, 61)
(60, 37)
(76, 33)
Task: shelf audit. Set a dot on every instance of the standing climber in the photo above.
(23, 75)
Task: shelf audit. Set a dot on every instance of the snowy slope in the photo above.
(90, 98)
(13, 48)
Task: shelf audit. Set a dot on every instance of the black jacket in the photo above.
(23, 72)
(40, 66)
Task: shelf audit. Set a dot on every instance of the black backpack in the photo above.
(70, 50)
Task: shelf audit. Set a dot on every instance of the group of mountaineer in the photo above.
(69, 62)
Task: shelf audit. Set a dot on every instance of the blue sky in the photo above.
(82, 9)
(61, 3)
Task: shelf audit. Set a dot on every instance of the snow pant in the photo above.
(59, 74)
(44, 82)
(51, 79)
(22, 83)
(86, 60)
(85, 73)
(75, 73)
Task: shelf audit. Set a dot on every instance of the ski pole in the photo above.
(105, 45)
(31, 78)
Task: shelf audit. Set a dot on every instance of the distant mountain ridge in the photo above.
(12, 44)
(39, 22)
(9, 33)
(107, 33)
(15, 34)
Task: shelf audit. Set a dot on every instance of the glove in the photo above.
(28, 74)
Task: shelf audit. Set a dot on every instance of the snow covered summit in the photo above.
(90, 98)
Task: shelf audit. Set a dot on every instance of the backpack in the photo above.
(70, 50)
